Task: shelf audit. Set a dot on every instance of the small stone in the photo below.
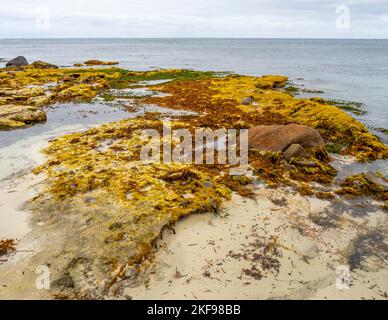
(116, 225)
(295, 151)
(208, 184)
(214, 205)
(247, 101)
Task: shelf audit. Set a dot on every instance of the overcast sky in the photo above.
(194, 18)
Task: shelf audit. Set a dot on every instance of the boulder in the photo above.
(17, 62)
(295, 151)
(43, 65)
(280, 137)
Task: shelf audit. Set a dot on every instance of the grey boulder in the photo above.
(17, 62)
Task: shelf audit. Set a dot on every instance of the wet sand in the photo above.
(196, 262)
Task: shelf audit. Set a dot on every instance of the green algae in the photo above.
(356, 108)
(382, 130)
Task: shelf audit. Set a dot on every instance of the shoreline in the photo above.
(202, 257)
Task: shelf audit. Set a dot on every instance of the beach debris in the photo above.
(262, 253)
(19, 61)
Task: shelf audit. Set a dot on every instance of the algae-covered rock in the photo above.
(6, 124)
(80, 92)
(43, 65)
(14, 116)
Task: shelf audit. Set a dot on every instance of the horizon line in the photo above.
(189, 38)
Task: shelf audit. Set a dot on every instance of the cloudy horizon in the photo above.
(195, 19)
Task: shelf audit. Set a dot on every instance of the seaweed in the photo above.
(365, 184)
(7, 246)
(219, 101)
(356, 108)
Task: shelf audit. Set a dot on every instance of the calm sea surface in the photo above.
(355, 70)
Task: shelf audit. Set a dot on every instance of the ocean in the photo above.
(354, 70)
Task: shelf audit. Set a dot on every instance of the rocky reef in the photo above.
(116, 206)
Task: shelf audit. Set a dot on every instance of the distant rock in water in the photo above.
(280, 137)
(100, 63)
(43, 65)
(17, 62)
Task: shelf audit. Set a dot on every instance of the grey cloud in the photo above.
(197, 18)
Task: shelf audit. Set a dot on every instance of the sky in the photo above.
(194, 18)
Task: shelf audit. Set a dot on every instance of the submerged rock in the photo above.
(100, 63)
(280, 137)
(17, 62)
